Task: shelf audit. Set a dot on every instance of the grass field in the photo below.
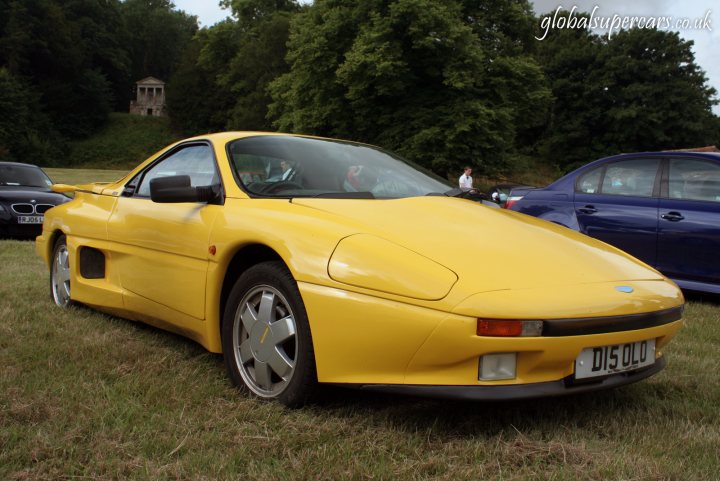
(87, 396)
(123, 142)
(83, 176)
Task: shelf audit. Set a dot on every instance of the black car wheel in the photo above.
(266, 337)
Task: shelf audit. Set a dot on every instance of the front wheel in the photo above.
(266, 337)
(60, 273)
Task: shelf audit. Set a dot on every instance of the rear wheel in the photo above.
(266, 336)
(60, 273)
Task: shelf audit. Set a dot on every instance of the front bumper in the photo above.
(561, 387)
(364, 340)
(12, 229)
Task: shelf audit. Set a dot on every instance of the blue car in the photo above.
(661, 207)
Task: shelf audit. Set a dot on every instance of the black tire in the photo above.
(60, 291)
(263, 308)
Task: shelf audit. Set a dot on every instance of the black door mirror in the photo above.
(177, 189)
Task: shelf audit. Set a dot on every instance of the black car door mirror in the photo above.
(178, 188)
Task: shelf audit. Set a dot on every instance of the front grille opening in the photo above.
(23, 209)
(42, 208)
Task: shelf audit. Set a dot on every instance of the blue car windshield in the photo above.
(285, 166)
(21, 175)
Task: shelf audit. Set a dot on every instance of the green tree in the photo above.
(158, 35)
(433, 80)
(570, 61)
(66, 52)
(657, 97)
(25, 133)
(641, 90)
(195, 103)
(103, 41)
(248, 12)
(231, 65)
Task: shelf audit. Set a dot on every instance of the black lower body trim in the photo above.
(600, 325)
(518, 391)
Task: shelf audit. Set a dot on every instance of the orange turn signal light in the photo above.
(508, 328)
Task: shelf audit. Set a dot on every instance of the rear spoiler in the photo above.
(94, 188)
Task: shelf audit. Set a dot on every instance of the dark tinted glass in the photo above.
(633, 177)
(283, 166)
(589, 182)
(694, 179)
(20, 175)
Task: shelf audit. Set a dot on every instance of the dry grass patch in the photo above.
(88, 396)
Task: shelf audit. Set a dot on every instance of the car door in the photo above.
(617, 203)
(689, 220)
(162, 254)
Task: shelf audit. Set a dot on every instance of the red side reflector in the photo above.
(499, 328)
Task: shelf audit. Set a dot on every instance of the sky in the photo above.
(207, 11)
(707, 42)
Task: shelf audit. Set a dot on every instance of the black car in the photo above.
(25, 196)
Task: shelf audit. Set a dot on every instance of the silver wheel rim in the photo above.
(265, 341)
(61, 277)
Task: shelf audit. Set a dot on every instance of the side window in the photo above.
(589, 183)
(195, 160)
(634, 177)
(694, 179)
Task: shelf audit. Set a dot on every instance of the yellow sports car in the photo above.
(307, 260)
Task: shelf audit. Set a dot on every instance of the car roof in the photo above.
(233, 135)
(570, 176)
(668, 153)
(663, 153)
(18, 164)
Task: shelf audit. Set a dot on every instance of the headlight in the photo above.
(367, 261)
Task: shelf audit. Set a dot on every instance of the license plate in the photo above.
(30, 219)
(601, 361)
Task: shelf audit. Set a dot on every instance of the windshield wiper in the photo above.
(345, 195)
(451, 193)
(473, 194)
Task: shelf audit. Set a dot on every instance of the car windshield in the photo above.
(23, 175)
(283, 166)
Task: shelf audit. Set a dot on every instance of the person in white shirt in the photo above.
(287, 170)
(466, 182)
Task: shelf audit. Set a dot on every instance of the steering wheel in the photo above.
(282, 185)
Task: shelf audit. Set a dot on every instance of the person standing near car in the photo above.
(466, 182)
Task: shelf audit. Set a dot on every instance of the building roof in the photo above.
(150, 81)
(709, 148)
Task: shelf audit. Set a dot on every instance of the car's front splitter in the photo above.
(561, 387)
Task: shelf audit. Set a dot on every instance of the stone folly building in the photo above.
(150, 98)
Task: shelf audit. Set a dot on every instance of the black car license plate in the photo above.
(30, 219)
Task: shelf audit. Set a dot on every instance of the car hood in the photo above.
(488, 249)
(12, 194)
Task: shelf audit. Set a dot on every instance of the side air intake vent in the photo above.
(92, 263)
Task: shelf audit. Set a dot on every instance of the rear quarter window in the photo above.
(589, 182)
